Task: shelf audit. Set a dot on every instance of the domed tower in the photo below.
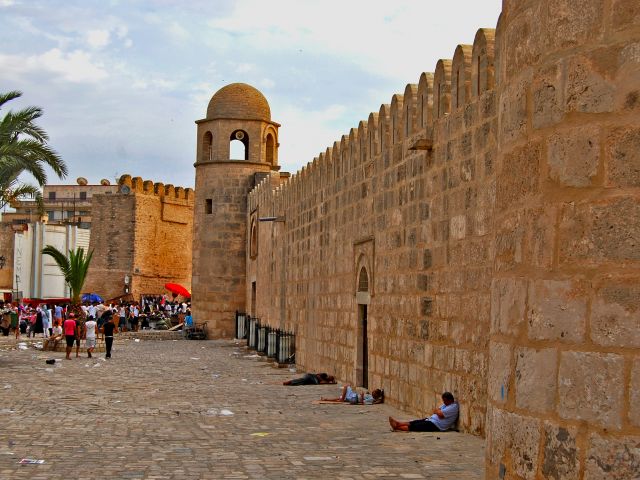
(237, 146)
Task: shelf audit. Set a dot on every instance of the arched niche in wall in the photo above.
(253, 239)
(207, 147)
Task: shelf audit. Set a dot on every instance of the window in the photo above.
(52, 195)
(207, 147)
(363, 280)
(239, 145)
(51, 215)
(70, 213)
(83, 195)
(208, 209)
(270, 149)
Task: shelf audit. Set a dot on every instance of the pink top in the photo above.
(69, 327)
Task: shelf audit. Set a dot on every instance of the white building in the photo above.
(36, 275)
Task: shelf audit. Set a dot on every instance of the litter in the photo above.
(260, 434)
(7, 386)
(226, 413)
(49, 370)
(318, 459)
(195, 358)
(51, 361)
(136, 339)
(97, 365)
(30, 461)
(212, 412)
(255, 355)
(6, 411)
(216, 375)
(22, 346)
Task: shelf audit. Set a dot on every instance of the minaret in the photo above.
(237, 146)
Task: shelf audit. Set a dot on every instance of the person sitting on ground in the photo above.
(349, 395)
(51, 343)
(442, 418)
(312, 379)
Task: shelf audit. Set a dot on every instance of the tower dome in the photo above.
(239, 101)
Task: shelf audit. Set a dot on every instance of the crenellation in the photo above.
(137, 185)
(442, 89)
(461, 77)
(482, 62)
(409, 115)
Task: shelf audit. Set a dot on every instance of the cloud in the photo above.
(98, 38)
(76, 66)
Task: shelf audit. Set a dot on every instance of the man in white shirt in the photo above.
(442, 418)
(90, 334)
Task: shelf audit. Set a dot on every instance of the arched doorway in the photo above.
(362, 348)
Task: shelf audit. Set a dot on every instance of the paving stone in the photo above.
(154, 412)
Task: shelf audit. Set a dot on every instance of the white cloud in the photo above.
(266, 83)
(76, 66)
(98, 38)
(7, 3)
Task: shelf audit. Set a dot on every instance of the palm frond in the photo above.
(74, 268)
(7, 97)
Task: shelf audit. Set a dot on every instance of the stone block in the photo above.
(500, 365)
(587, 89)
(607, 231)
(513, 112)
(615, 315)
(561, 453)
(612, 458)
(590, 388)
(573, 156)
(625, 14)
(623, 157)
(518, 176)
(634, 394)
(508, 297)
(548, 103)
(535, 379)
(524, 445)
(557, 310)
(571, 22)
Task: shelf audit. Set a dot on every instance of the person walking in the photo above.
(107, 330)
(90, 335)
(69, 328)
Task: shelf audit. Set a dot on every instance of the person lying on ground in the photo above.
(442, 418)
(312, 379)
(349, 395)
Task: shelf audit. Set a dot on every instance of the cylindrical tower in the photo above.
(237, 142)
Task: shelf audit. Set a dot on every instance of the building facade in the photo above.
(141, 237)
(477, 234)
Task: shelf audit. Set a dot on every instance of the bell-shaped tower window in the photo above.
(239, 145)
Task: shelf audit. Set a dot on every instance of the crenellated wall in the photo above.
(144, 232)
(494, 210)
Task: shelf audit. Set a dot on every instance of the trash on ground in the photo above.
(51, 361)
(226, 412)
(216, 375)
(260, 434)
(22, 346)
(136, 339)
(255, 355)
(49, 370)
(318, 459)
(30, 461)
(195, 358)
(7, 386)
(97, 365)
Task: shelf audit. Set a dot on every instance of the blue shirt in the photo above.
(188, 321)
(450, 415)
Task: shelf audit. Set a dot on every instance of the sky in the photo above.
(121, 83)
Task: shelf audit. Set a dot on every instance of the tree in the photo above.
(74, 268)
(24, 149)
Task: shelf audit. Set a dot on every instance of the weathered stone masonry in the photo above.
(143, 232)
(494, 209)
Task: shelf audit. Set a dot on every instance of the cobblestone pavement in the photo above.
(208, 409)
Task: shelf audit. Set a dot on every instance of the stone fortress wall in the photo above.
(494, 209)
(144, 232)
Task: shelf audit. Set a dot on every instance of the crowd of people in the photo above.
(57, 322)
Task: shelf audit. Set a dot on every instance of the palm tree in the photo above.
(24, 149)
(74, 268)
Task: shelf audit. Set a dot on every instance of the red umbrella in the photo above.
(177, 289)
